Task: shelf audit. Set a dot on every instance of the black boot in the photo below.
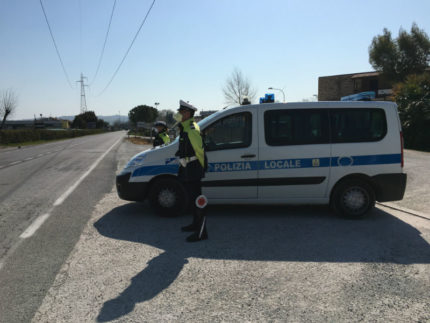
(196, 236)
(190, 228)
(200, 233)
(193, 226)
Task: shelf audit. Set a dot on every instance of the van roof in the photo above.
(319, 104)
(306, 105)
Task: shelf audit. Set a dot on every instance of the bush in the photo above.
(413, 99)
(28, 135)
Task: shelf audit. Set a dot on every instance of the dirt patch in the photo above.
(139, 141)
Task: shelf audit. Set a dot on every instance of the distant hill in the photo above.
(109, 119)
(70, 118)
(112, 119)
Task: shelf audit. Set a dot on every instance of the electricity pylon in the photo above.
(83, 99)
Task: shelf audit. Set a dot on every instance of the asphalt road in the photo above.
(35, 185)
(98, 258)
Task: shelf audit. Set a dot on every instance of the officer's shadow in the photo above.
(307, 234)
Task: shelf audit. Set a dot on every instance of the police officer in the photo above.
(192, 167)
(161, 137)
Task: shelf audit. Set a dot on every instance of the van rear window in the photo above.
(357, 125)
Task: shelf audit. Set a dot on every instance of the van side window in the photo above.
(357, 125)
(234, 131)
(296, 127)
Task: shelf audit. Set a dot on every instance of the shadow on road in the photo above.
(255, 233)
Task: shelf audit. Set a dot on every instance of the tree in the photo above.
(101, 124)
(413, 99)
(81, 120)
(238, 87)
(167, 116)
(8, 104)
(398, 58)
(118, 125)
(142, 113)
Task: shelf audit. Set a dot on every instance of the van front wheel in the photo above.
(167, 197)
(353, 198)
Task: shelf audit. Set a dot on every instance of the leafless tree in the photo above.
(8, 104)
(237, 88)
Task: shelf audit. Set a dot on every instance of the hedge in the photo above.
(26, 135)
(413, 99)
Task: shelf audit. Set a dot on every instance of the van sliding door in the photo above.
(294, 154)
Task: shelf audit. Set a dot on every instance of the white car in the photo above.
(346, 154)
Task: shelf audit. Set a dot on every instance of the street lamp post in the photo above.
(283, 94)
(156, 106)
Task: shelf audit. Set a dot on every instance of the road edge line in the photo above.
(37, 223)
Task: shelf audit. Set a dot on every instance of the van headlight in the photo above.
(132, 164)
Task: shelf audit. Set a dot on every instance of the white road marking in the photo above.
(73, 187)
(14, 163)
(37, 223)
(34, 226)
(29, 158)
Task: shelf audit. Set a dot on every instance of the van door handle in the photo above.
(247, 156)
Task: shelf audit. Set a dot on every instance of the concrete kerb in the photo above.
(404, 210)
(6, 148)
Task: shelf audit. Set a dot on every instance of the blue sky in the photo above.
(187, 49)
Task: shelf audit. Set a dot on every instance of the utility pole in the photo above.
(281, 90)
(83, 99)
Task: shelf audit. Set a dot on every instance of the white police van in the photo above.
(346, 154)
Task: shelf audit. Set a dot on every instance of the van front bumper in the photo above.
(390, 187)
(130, 191)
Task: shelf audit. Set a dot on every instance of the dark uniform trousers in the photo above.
(194, 189)
(191, 176)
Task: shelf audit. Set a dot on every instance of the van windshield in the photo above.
(203, 123)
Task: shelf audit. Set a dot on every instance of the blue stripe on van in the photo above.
(277, 164)
(156, 170)
(366, 160)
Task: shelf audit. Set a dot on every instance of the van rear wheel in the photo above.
(168, 197)
(353, 198)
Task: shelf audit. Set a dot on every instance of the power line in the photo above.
(104, 45)
(55, 44)
(80, 34)
(128, 50)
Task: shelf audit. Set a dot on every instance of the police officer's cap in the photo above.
(186, 106)
(160, 123)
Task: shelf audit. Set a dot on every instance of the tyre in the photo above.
(168, 197)
(353, 198)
